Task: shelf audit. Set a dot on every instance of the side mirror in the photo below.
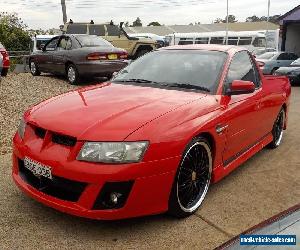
(239, 87)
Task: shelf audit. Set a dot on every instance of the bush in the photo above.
(13, 33)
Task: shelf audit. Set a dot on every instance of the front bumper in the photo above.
(149, 194)
(101, 68)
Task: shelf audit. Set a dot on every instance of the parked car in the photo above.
(116, 35)
(6, 62)
(154, 138)
(271, 61)
(159, 39)
(1, 64)
(258, 52)
(76, 56)
(292, 72)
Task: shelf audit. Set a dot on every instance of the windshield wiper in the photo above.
(187, 86)
(135, 80)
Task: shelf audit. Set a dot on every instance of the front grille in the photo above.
(58, 187)
(40, 132)
(64, 140)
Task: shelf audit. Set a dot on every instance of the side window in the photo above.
(293, 56)
(52, 44)
(283, 56)
(64, 44)
(216, 40)
(241, 68)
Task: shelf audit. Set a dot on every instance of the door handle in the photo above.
(220, 128)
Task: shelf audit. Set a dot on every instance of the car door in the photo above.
(242, 112)
(45, 60)
(60, 54)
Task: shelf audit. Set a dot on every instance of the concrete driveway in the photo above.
(265, 185)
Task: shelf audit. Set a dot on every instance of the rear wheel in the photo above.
(141, 53)
(273, 71)
(4, 72)
(34, 70)
(192, 179)
(277, 130)
(72, 74)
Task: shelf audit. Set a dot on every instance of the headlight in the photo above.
(294, 73)
(21, 128)
(112, 152)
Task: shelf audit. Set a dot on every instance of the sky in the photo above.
(47, 14)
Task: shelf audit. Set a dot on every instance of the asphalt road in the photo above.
(265, 185)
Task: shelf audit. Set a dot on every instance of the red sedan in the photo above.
(154, 138)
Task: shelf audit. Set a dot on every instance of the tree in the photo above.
(137, 22)
(13, 32)
(126, 24)
(154, 24)
(253, 18)
(231, 19)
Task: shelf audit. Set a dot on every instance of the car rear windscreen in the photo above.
(98, 30)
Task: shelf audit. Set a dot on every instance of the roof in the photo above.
(239, 26)
(210, 47)
(289, 12)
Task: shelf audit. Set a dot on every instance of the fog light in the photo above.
(114, 197)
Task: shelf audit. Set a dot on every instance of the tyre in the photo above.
(4, 72)
(141, 53)
(34, 70)
(273, 71)
(192, 179)
(277, 130)
(72, 74)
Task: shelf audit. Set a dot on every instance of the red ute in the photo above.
(6, 63)
(154, 138)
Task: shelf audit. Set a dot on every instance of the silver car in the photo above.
(271, 61)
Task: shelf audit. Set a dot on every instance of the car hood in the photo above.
(107, 112)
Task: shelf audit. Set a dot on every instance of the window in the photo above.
(293, 56)
(77, 29)
(52, 44)
(65, 43)
(284, 57)
(259, 42)
(184, 41)
(98, 30)
(92, 41)
(216, 40)
(241, 68)
(112, 30)
(232, 40)
(201, 40)
(245, 40)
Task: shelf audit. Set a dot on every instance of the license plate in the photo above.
(112, 57)
(37, 168)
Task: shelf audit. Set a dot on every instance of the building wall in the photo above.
(292, 43)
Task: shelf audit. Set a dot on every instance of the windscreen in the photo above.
(185, 67)
(296, 63)
(93, 41)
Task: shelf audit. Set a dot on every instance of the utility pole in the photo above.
(268, 18)
(227, 24)
(63, 7)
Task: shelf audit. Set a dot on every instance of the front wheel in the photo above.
(277, 130)
(72, 74)
(192, 179)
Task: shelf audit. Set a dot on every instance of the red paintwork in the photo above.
(242, 86)
(6, 62)
(168, 119)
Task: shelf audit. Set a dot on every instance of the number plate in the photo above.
(112, 57)
(37, 168)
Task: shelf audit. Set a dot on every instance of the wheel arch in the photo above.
(284, 106)
(211, 140)
(140, 47)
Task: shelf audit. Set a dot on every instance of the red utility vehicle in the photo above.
(154, 138)
(6, 62)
